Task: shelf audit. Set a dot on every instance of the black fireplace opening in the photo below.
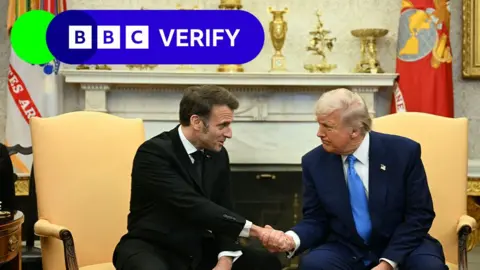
(272, 197)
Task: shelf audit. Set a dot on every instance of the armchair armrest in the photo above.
(466, 221)
(466, 225)
(44, 228)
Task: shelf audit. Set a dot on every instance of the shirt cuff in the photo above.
(392, 263)
(296, 239)
(246, 229)
(234, 254)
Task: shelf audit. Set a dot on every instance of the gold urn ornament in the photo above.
(278, 31)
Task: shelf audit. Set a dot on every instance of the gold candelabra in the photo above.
(278, 30)
(230, 5)
(368, 49)
(319, 43)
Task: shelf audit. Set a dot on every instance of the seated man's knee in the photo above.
(328, 256)
(145, 261)
(311, 261)
(426, 262)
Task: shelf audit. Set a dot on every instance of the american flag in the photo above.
(40, 86)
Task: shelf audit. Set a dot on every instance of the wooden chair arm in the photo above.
(44, 228)
(466, 225)
(466, 220)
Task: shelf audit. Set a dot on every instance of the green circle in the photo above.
(29, 37)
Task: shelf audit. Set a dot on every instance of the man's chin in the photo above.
(217, 148)
(327, 148)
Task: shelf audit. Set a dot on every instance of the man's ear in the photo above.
(355, 133)
(195, 122)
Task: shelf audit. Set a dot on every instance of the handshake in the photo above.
(273, 240)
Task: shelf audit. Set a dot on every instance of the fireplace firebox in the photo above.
(272, 197)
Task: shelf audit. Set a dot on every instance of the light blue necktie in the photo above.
(358, 201)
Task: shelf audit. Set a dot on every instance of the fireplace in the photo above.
(266, 194)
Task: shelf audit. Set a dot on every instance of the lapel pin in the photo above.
(383, 167)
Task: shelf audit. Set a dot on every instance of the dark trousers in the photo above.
(428, 256)
(150, 257)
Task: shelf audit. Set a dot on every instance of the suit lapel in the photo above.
(184, 159)
(378, 177)
(338, 183)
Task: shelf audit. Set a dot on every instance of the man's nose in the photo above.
(320, 133)
(228, 133)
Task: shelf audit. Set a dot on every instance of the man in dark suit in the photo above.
(367, 204)
(181, 210)
(7, 185)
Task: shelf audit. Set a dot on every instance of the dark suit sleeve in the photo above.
(7, 185)
(419, 213)
(311, 229)
(224, 242)
(152, 167)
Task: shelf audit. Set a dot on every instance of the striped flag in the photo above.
(33, 90)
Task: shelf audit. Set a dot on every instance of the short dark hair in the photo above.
(199, 100)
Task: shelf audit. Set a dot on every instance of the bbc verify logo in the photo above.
(108, 37)
(123, 37)
(136, 37)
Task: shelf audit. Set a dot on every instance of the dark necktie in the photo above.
(199, 158)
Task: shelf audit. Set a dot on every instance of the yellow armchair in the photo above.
(444, 144)
(82, 163)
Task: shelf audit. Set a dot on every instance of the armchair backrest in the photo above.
(82, 165)
(444, 143)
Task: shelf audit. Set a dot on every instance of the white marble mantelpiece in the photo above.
(135, 77)
(274, 124)
(264, 96)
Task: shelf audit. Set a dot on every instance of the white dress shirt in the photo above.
(361, 167)
(190, 148)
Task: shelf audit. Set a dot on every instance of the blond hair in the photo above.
(354, 111)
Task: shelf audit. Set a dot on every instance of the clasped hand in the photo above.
(275, 240)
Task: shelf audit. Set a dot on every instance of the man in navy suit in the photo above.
(367, 204)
